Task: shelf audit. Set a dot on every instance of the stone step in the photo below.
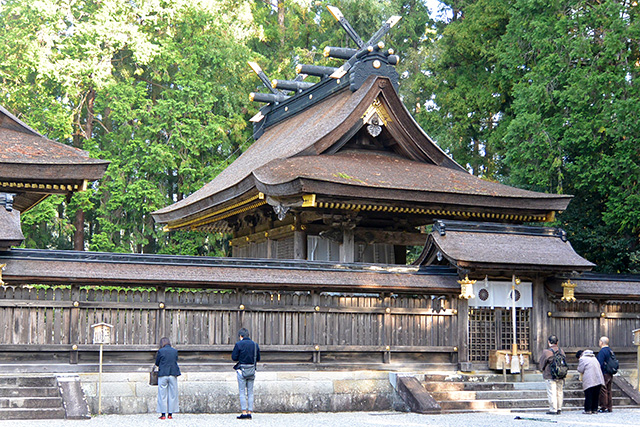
(29, 392)
(499, 394)
(468, 386)
(31, 402)
(31, 413)
(471, 405)
(28, 381)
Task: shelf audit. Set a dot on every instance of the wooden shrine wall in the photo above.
(291, 327)
(580, 324)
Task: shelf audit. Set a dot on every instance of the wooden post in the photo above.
(299, 240)
(348, 248)
(160, 320)
(540, 321)
(604, 329)
(387, 329)
(463, 334)
(74, 319)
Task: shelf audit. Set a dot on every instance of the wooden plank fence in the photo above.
(291, 327)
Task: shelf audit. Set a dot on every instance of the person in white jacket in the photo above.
(592, 379)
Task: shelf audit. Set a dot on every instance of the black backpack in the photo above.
(611, 366)
(558, 365)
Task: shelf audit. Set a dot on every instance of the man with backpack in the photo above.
(553, 364)
(609, 365)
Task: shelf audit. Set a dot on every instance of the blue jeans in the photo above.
(245, 388)
(168, 395)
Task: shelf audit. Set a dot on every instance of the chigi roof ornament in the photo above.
(290, 97)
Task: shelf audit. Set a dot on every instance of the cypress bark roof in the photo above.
(295, 156)
(32, 166)
(474, 247)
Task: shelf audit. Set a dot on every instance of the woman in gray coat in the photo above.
(592, 379)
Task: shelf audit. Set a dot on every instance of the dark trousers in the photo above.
(606, 400)
(591, 397)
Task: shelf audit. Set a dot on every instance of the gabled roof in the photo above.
(481, 248)
(32, 166)
(306, 154)
(598, 285)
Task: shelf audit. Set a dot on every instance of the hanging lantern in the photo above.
(466, 288)
(568, 289)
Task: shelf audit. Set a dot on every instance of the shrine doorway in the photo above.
(491, 321)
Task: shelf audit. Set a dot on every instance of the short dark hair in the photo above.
(164, 341)
(244, 333)
(553, 339)
(579, 353)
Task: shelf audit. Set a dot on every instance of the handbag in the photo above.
(249, 371)
(153, 376)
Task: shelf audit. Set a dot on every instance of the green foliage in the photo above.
(541, 95)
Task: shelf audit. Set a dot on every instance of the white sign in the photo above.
(102, 333)
(498, 294)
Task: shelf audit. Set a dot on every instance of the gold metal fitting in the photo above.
(299, 68)
(391, 51)
(387, 310)
(241, 306)
(454, 311)
(317, 348)
(303, 227)
(266, 234)
(327, 51)
(603, 314)
(74, 347)
(76, 304)
(388, 348)
(252, 96)
(376, 64)
(370, 48)
(455, 348)
(161, 305)
(274, 83)
(310, 96)
(286, 108)
(317, 308)
(549, 314)
(517, 281)
(380, 45)
(338, 81)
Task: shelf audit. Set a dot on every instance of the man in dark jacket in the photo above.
(247, 353)
(555, 387)
(604, 356)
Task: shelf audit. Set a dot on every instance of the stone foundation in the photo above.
(217, 392)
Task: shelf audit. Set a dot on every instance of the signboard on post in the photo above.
(102, 333)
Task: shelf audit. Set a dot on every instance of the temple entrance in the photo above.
(491, 321)
(492, 329)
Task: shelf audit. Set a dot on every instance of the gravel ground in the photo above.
(618, 418)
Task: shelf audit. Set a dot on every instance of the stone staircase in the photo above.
(489, 392)
(30, 397)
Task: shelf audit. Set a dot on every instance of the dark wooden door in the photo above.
(492, 329)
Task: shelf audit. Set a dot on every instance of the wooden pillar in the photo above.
(604, 325)
(387, 331)
(348, 247)
(463, 334)
(74, 320)
(160, 319)
(299, 240)
(540, 321)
